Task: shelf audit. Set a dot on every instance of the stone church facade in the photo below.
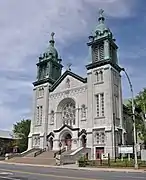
(74, 112)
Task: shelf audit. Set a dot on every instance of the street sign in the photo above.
(125, 149)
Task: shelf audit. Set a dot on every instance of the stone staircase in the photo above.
(45, 158)
(31, 154)
(67, 152)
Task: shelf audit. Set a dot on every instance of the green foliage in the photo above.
(140, 111)
(82, 161)
(21, 130)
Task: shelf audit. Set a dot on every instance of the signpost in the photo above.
(125, 149)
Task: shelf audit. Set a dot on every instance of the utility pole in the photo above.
(133, 117)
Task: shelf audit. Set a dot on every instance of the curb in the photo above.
(78, 168)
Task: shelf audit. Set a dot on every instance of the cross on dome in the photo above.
(52, 36)
(101, 11)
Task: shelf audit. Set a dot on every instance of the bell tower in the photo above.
(49, 70)
(102, 44)
(49, 67)
(104, 89)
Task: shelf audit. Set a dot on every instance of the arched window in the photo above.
(101, 76)
(68, 113)
(97, 76)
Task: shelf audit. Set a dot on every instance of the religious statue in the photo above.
(83, 111)
(68, 83)
(52, 117)
(68, 66)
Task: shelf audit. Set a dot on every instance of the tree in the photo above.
(21, 130)
(140, 111)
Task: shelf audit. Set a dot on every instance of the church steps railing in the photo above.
(59, 152)
(39, 152)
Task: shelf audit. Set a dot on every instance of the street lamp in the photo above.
(133, 117)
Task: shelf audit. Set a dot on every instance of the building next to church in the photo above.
(73, 111)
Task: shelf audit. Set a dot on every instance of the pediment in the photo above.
(68, 80)
(66, 127)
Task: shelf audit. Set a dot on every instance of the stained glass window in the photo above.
(68, 114)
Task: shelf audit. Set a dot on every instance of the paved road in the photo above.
(18, 172)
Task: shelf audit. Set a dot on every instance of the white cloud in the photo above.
(25, 28)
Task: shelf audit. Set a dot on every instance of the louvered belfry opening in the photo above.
(98, 52)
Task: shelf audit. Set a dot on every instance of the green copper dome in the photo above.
(101, 29)
(51, 49)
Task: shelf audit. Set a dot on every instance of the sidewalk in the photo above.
(75, 167)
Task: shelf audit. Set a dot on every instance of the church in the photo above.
(74, 112)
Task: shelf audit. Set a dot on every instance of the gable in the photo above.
(68, 80)
(66, 127)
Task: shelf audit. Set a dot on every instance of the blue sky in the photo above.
(25, 28)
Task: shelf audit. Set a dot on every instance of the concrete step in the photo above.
(31, 154)
(33, 160)
(46, 154)
(67, 152)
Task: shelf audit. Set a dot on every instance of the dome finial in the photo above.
(52, 36)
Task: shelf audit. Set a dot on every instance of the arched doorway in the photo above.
(51, 143)
(83, 140)
(68, 141)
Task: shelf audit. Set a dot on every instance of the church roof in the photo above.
(61, 78)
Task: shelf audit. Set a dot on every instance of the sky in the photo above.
(25, 28)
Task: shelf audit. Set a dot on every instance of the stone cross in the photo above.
(52, 35)
(101, 11)
(68, 66)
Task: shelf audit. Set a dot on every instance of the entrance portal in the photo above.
(51, 143)
(99, 152)
(83, 140)
(68, 141)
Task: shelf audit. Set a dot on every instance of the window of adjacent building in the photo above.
(39, 115)
(100, 105)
